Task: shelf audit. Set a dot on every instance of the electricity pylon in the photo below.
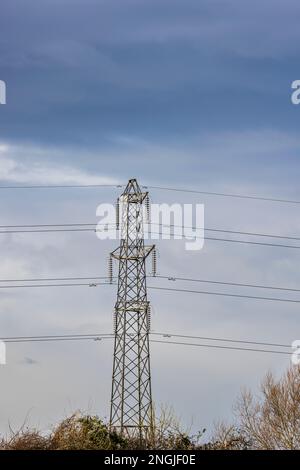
(131, 410)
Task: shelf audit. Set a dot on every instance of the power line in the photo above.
(49, 340)
(210, 193)
(82, 284)
(233, 232)
(100, 337)
(63, 186)
(50, 225)
(50, 230)
(92, 227)
(250, 242)
(157, 233)
(53, 225)
(230, 240)
(42, 337)
(163, 334)
(40, 279)
(222, 347)
(161, 188)
(224, 283)
(226, 340)
(169, 278)
(241, 296)
(96, 284)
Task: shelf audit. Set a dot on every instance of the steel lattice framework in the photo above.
(131, 399)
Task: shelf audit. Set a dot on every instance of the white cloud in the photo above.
(16, 166)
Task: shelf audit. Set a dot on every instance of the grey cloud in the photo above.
(254, 29)
(149, 67)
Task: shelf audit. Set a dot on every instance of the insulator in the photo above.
(154, 262)
(148, 317)
(147, 203)
(115, 322)
(118, 214)
(110, 269)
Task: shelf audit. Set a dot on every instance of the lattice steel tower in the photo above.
(131, 400)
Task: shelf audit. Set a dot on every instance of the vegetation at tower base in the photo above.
(271, 421)
(80, 432)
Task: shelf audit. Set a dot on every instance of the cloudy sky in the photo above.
(191, 94)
